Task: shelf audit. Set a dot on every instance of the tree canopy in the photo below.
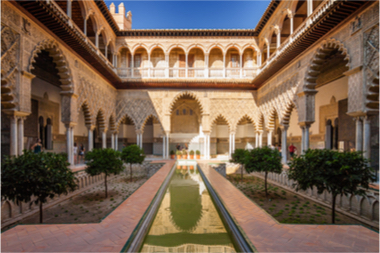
(105, 161)
(36, 177)
(333, 171)
(132, 154)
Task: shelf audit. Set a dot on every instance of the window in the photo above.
(184, 111)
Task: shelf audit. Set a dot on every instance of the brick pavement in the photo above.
(268, 235)
(109, 235)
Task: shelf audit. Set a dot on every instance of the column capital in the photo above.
(206, 132)
(91, 127)
(305, 123)
(232, 132)
(139, 131)
(284, 127)
(70, 124)
(269, 130)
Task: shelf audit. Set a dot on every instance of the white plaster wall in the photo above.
(338, 89)
(39, 87)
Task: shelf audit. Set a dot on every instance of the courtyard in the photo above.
(185, 93)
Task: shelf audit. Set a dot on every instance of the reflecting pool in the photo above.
(187, 220)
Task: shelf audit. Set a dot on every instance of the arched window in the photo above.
(184, 111)
(177, 112)
(191, 112)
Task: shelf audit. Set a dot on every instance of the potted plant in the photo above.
(178, 153)
(172, 154)
(198, 154)
(191, 154)
(184, 154)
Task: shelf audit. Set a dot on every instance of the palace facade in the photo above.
(76, 72)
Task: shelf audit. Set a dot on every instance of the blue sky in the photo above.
(194, 14)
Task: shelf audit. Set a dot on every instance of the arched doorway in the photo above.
(220, 133)
(245, 133)
(185, 124)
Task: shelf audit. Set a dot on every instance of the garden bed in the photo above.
(285, 206)
(91, 205)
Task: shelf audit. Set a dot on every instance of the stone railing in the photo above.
(362, 208)
(12, 213)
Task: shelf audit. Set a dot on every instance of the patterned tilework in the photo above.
(267, 235)
(110, 235)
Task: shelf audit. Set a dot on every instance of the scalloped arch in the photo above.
(182, 94)
(87, 112)
(146, 120)
(224, 118)
(316, 62)
(126, 115)
(59, 59)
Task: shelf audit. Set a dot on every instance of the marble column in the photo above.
(167, 66)
(116, 141)
(307, 137)
(68, 144)
(187, 66)
(206, 65)
(138, 139)
(224, 65)
(268, 51)
(112, 141)
(85, 27)
(233, 143)
(309, 7)
(359, 134)
(90, 137)
(257, 140)
(104, 138)
(141, 140)
(261, 139)
(269, 137)
(20, 144)
(284, 145)
(132, 66)
(241, 65)
(291, 24)
(69, 8)
(367, 137)
(13, 135)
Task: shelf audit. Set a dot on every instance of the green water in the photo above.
(187, 220)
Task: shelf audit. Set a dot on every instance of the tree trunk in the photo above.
(265, 183)
(41, 212)
(333, 209)
(130, 171)
(105, 184)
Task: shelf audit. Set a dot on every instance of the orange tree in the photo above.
(132, 154)
(239, 157)
(105, 161)
(333, 171)
(36, 177)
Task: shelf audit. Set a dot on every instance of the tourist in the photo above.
(37, 147)
(81, 153)
(75, 152)
(292, 149)
(178, 147)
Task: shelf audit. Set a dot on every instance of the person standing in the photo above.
(292, 149)
(81, 153)
(37, 147)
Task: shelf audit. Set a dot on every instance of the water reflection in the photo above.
(187, 220)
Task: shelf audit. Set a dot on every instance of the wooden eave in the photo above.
(188, 33)
(266, 16)
(186, 84)
(107, 15)
(338, 12)
(58, 24)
